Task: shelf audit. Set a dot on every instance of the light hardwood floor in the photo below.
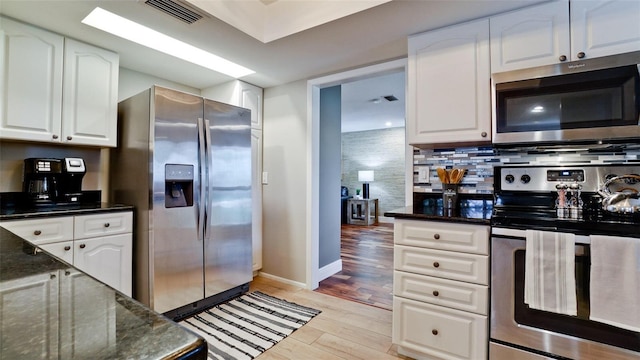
(344, 330)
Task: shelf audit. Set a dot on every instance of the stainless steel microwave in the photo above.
(585, 101)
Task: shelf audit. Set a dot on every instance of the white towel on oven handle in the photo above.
(615, 281)
(550, 283)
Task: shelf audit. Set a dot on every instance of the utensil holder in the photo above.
(449, 196)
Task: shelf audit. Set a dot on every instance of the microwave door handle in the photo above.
(207, 133)
(202, 177)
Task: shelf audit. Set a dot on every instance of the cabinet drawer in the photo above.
(87, 226)
(42, 231)
(62, 250)
(442, 235)
(454, 294)
(443, 264)
(438, 331)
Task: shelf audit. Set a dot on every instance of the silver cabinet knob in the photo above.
(55, 136)
(107, 225)
(37, 232)
(69, 137)
(483, 134)
(82, 246)
(581, 55)
(67, 248)
(563, 58)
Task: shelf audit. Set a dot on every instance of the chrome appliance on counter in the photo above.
(47, 181)
(582, 101)
(538, 313)
(184, 162)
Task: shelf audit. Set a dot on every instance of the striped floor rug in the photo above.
(246, 326)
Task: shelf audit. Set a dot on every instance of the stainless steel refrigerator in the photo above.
(184, 162)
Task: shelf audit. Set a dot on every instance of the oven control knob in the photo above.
(525, 179)
(509, 179)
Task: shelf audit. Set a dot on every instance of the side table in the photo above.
(362, 211)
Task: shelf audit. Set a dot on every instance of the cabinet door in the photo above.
(86, 333)
(251, 98)
(30, 82)
(256, 198)
(108, 259)
(89, 113)
(437, 331)
(448, 99)
(534, 36)
(604, 27)
(39, 320)
(42, 231)
(62, 250)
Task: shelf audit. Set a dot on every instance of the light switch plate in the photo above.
(423, 175)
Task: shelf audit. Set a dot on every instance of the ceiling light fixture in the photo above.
(132, 31)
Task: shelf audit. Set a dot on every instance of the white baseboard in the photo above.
(330, 269)
(282, 280)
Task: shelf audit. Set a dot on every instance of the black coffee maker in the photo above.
(41, 181)
(49, 181)
(73, 170)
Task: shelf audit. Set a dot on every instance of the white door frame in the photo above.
(313, 155)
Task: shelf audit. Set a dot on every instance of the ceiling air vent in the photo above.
(176, 10)
(390, 98)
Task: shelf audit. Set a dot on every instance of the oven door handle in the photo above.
(580, 239)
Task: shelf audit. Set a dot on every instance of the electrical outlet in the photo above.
(423, 175)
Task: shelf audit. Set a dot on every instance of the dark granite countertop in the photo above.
(15, 206)
(471, 208)
(52, 310)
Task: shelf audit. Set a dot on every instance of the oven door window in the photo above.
(601, 98)
(579, 326)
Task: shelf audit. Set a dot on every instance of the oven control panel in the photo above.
(545, 178)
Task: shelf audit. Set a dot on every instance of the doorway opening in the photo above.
(314, 272)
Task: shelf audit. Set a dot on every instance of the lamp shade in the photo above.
(365, 175)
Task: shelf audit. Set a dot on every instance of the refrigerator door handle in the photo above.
(207, 133)
(203, 179)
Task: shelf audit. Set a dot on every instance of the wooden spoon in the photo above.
(442, 174)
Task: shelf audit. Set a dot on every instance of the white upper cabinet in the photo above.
(56, 90)
(31, 62)
(551, 33)
(605, 27)
(239, 93)
(90, 108)
(448, 98)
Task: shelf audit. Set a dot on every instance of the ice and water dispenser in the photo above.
(178, 185)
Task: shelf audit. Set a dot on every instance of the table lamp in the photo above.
(365, 176)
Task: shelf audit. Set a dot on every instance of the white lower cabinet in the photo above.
(108, 259)
(425, 331)
(440, 289)
(101, 245)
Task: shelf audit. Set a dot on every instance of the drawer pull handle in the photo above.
(436, 264)
(67, 248)
(37, 232)
(436, 293)
(82, 246)
(434, 332)
(436, 236)
(107, 225)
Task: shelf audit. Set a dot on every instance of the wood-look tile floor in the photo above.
(367, 266)
(344, 330)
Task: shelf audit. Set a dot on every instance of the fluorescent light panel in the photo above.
(132, 31)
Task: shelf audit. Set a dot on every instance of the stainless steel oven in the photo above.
(582, 101)
(526, 199)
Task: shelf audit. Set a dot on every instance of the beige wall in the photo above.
(132, 82)
(284, 197)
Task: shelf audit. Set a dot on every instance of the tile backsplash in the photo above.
(479, 162)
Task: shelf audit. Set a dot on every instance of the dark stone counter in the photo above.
(52, 310)
(13, 206)
(471, 208)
